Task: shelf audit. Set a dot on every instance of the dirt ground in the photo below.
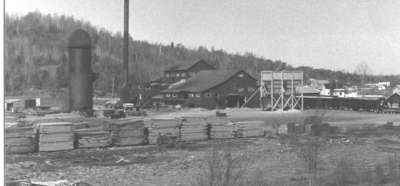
(270, 158)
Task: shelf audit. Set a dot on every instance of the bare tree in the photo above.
(363, 70)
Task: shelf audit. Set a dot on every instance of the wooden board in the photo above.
(93, 142)
(251, 133)
(129, 133)
(193, 136)
(56, 137)
(55, 127)
(165, 123)
(127, 125)
(22, 141)
(67, 145)
(91, 133)
(221, 135)
(20, 132)
(250, 124)
(20, 149)
(129, 141)
(166, 131)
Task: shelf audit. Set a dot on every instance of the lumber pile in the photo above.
(55, 136)
(168, 128)
(127, 132)
(20, 140)
(250, 129)
(220, 128)
(92, 136)
(193, 129)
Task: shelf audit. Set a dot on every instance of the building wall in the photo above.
(175, 76)
(217, 96)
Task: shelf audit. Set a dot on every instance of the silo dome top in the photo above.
(79, 39)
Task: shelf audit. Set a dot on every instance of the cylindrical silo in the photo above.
(80, 72)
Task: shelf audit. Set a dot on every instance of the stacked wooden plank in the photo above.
(127, 132)
(163, 127)
(250, 129)
(92, 136)
(20, 140)
(193, 129)
(220, 128)
(55, 136)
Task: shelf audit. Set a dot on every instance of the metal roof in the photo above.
(204, 80)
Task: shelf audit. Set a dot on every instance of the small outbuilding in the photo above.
(394, 100)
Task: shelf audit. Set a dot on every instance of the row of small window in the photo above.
(208, 94)
(250, 89)
(176, 95)
(171, 95)
(176, 75)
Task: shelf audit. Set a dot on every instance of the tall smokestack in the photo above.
(126, 40)
(125, 87)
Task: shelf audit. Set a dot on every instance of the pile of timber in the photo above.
(92, 136)
(193, 129)
(250, 129)
(167, 128)
(220, 128)
(127, 132)
(20, 140)
(55, 136)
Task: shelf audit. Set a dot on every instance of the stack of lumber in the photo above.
(127, 132)
(55, 136)
(250, 128)
(220, 128)
(20, 140)
(92, 136)
(163, 127)
(193, 129)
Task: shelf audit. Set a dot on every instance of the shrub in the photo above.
(380, 177)
(221, 169)
(345, 173)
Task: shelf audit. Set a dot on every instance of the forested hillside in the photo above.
(36, 56)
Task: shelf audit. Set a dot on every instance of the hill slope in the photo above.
(36, 56)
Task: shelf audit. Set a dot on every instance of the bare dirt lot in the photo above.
(255, 161)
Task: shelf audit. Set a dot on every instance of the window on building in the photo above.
(251, 89)
(240, 89)
(167, 95)
(240, 75)
(207, 94)
(177, 74)
(191, 95)
(183, 75)
(167, 75)
(174, 95)
(197, 95)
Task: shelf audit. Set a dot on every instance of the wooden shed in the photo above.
(394, 100)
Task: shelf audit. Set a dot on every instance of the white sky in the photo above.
(334, 34)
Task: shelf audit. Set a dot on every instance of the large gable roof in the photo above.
(204, 80)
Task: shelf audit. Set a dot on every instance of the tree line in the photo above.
(36, 57)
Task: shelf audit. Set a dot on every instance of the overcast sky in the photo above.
(334, 34)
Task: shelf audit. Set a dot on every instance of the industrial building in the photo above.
(184, 71)
(213, 89)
